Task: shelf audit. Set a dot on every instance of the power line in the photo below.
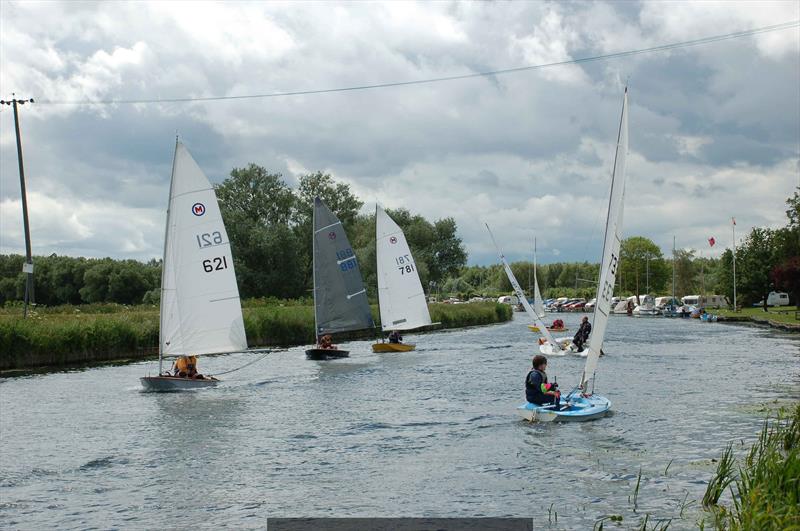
(663, 47)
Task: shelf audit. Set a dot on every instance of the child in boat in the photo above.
(186, 367)
(537, 389)
(558, 324)
(395, 337)
(326, 342)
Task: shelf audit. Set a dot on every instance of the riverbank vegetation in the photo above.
(765, 487)
(65, 335)
(781, 314)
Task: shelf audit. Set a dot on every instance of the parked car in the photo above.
(589, 307)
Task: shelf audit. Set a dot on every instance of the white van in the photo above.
(508, 299)
(776, 298)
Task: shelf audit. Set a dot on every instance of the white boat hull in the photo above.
(549, 350)
(580, 409)
(166, 384)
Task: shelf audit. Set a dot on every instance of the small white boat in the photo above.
(200, 308)
(582, 404)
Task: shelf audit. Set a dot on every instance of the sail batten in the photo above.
(200, 308)
(340, 300)
(611, 248)
(400, 294)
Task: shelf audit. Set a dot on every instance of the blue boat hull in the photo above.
(580, 409)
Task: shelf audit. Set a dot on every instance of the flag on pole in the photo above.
(711, 241)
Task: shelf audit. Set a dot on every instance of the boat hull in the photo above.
(565, 342)
(326, 353)
(168, 384)
(535, 328)
(392, 347)
(581, 409)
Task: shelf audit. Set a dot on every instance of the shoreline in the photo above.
(766, 323)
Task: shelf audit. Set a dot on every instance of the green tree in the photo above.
(754, 263)
(641, 262)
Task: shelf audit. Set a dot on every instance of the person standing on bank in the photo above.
(582, 335)
(537, 389)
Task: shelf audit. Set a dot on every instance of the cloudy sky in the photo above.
(714, 129)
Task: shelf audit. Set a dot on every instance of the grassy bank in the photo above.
(784, 314)
(69, 335)
(765, 487)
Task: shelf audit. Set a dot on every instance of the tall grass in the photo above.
(66, 335)
(766, 490)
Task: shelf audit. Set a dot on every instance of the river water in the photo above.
(427, 433)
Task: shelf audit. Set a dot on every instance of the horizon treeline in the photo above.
(269, 225)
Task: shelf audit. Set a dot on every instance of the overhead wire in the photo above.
(615, 55)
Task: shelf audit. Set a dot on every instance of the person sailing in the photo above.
(582, 335)
(537, 389)
(186, 367)
(395, 337)
(326, 342)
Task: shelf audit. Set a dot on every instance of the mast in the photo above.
(672, 302)
(314, 267)
(164, 265)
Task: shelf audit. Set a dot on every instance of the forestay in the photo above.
(400, 295)
(200, 308)
(340, 300)
(521, 296)
(611, 246)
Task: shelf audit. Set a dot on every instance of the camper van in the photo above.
(508, 299)
(705, 301)
(776, 298)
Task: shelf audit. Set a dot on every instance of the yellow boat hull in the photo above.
(392, 347)
(535, 328)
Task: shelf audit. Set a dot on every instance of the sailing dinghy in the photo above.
(200, 309)
(400, 295)
(340, 300)
(554, 348)
(581, 403)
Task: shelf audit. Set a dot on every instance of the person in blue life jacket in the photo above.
(537, 389)
(395, 337)
(582, 335)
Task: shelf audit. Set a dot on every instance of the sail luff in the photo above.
(521, 295)
(611, 247)
(164, 263)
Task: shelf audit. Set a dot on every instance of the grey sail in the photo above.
(340, 300)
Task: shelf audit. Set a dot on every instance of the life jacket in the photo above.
(182, 364)
(533, 390)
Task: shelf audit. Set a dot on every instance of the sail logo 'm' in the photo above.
(392, 240)
(198, 209)
(332, 235)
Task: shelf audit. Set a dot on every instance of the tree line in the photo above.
(269, 225)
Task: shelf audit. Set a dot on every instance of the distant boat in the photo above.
(400, 295)
(581, 403)
(340, 300)
(538, 305)
(200, 308)
(553, 347)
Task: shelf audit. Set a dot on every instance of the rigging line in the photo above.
(659, 48)
(245, 365)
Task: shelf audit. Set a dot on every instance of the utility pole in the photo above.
(733, 232)
(27, 267)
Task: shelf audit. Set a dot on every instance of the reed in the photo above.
(65, 335)
(766, 490)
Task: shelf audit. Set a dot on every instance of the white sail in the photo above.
(521, 295)
(400, 294)
(611, 245)
(538, 304)
(200, 309)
